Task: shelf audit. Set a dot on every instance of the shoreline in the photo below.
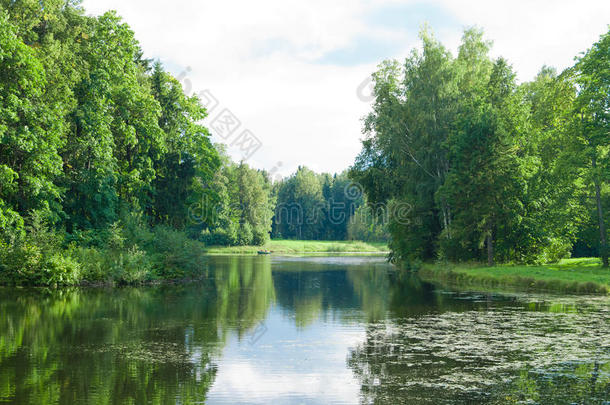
(284, 246)
(571, 276)
(313, 253)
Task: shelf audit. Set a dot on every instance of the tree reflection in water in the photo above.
(133, 345)
(419, 343)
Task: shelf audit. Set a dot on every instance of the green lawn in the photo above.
(304, 246)
(583, 275)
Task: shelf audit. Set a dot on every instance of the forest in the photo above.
(107, 173)
(494, 170)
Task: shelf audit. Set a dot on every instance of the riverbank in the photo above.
(304, 247)
(127, 254)
(582, 275)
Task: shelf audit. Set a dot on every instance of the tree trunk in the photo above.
(603, 243)
(490, 247)
(444, 210)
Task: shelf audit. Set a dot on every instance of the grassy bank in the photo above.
(583, 275)
(304, 247)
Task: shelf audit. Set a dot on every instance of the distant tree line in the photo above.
(494, 170)
(315, 206)
(237, 209)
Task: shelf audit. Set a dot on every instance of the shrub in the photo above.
(218, 237)
(175, 255)
(128, 252)
(37, 257)
(260, 236)
(556, 250)
(245, 235)
(131, 266)
(62, 269)
(94, 264)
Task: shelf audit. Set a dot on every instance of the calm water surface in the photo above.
(318, 330)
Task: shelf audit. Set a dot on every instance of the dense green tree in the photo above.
(115, 134)
(485, 183)
(342, 198)
(367, 225)
(590, 139)
(552, 199)
(190, 157)
(30, 134)
(237, 206)
(255, 204)
(138, 139)
(90, 167)
(300, 206)
(486, 165)
(315, 206)
(93, 142)
(97, 145)
(404, 157)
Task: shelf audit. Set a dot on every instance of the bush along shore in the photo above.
(579, 276)
(128, 253)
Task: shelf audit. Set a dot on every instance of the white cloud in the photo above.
(289, 365)
(532, 33)
(245, 383)
(260, 59)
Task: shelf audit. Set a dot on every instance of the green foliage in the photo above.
(238, 207)
(366, 226)
(30, 138)
(37, 256)
(122, 261)
(100, 143)
(486, 182)
(176, 256)
(300, 202)
(133, 254)
(492, 170)
(589, 143)
(313, 206)
(104, 161)
(190, 159)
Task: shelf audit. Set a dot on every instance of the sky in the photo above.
(287, 82)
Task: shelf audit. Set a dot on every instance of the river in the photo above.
(314, 330)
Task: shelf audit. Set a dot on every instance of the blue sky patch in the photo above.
(406, 19)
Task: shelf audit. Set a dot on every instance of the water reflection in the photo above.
(154, 344)
(289, 330)
(104, 347)
(483, 348)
